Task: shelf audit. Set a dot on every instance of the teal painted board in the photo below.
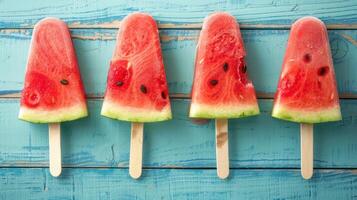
(104, 13)
(99, 184)
(255, 142)
(179, 155)
(94, 48)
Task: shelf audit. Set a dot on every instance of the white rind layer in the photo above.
(223, 111)
(53, 116)
(125, 113)
(301, 116)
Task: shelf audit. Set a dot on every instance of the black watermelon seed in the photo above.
(143, 89)
(214, 82)
(163, 95)
(323, 71)
(244, 69)
(64, 82)
(225, 67)
(119, 83)
(307, 58)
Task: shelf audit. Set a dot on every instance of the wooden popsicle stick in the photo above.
(136, 149)
(307, 150)
(54, 131)
(222, 155)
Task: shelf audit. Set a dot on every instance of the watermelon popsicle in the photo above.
(307, 91)
(136, 85)
(53, 90)
(221, 87)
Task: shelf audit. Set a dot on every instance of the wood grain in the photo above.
(177, 14)
(222, 149)
(91, 184)
(136, 149)
(179, 158)
(94, 48)
(255, 142)
(307, 150)
(55, 156)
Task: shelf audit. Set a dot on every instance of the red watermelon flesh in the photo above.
(53, 90)
(307, 89)
(221, 87)
(136, 85)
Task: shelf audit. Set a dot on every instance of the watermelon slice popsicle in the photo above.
(221, 87)
(136, 85)
(307, 91)
(53, 90)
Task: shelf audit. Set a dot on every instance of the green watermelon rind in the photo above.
(217, 111)
(53, 116)
(297, 115)
(125, 113)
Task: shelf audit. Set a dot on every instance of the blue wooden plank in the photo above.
(179, 157)
(255, 142)
(102, 13)
(88, 184)
(94, 49)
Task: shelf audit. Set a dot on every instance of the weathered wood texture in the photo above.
(179, 155)
(177, 14)
(87, 184)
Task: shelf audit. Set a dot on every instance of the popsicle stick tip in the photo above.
(223, 174)
(135, 174)
(55, 171)
(307, 174)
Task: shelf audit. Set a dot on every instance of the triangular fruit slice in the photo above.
(53, 90)
(221, 87)
(136, 85)
(307, 91)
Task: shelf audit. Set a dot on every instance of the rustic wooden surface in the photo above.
(179, 155)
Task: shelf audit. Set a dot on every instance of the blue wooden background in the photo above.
(179, 156)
